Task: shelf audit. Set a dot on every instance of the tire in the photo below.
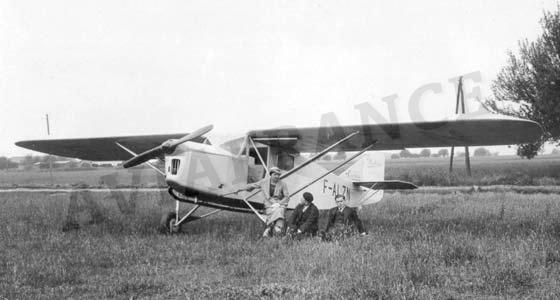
(166, 223)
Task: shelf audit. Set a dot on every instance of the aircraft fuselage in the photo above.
(209, 176)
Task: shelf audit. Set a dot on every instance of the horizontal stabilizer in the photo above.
(387, 185)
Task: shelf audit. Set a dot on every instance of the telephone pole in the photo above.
(461, 102)
(49, 157)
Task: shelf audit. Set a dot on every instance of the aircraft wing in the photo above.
(100, 149)
(462, 130)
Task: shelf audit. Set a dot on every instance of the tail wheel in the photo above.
(168, 223)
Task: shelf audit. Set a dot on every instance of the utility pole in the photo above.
(48, 126)
(49, 157)
(461, 102)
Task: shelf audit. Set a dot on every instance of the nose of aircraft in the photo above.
(166, 147)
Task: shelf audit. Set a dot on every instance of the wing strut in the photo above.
(251, 206)
(134, 154)
(335, 168)
(317, 156)
(259, 154)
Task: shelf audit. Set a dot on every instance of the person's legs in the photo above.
(267, 231)
(279, 227)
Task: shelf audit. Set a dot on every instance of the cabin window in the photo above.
(175, 166)
(285, 161)
(263, 151)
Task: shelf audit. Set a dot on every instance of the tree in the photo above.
(5, 163)
(443, 152)
(555, 151)
(425, 153)
(528, 150)
(327, 157)
(72, 164)
(395, 156)
(529, 85)
(341, 155)
(405, 153)
(482, 152)
(28, 161)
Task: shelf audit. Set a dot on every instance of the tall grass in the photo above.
(508, 170)
(419, 246)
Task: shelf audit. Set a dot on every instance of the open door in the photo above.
(256, 168)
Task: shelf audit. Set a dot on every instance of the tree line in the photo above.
(529, 85)
(441, 153)
(46, 161)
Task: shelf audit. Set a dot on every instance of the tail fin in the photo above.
(370, 167)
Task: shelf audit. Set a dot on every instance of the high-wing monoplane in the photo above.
(207, 175)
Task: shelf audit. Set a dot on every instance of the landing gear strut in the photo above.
(170, 222)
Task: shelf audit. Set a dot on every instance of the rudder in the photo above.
(370, 167)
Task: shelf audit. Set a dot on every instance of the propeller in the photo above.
(166, 147)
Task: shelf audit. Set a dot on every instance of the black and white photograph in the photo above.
(279, 149)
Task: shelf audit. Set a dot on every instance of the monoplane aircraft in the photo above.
(206, 175)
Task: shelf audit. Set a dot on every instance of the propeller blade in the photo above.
(166, 147)
(190, 136)
(143, 157)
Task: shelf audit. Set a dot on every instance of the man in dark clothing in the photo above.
(305, 217)
(343, 219)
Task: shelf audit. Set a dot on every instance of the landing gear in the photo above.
(168, 223)
(171, 223)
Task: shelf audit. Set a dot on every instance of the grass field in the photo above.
(434, 243)
(495, 170)
(453, 245)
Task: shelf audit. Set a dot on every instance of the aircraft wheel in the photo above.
(168, 223)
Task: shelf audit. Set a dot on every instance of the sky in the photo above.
(107, 68)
